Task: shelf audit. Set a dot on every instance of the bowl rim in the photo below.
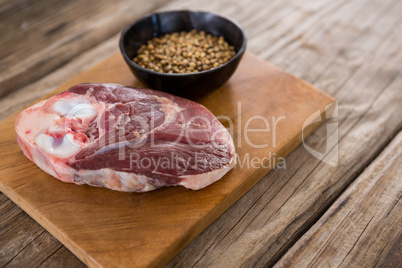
(231, 20)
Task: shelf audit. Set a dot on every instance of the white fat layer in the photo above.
(199, 181)
(84, 111)
(65, 148)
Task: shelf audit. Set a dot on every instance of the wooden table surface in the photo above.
(311, 213)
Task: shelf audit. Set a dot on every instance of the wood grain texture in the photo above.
(363, 227)
(19, 99)
(347, 48)
(356, 59)
(108, 228)
(39, 36)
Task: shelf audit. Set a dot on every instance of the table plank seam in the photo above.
(382, 250)
(5, 265)
(57, 249)
(368, 223)
(334, 198)
(362, 33)
(298, 31)
(387, 160)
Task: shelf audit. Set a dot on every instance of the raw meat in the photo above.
(125, 139)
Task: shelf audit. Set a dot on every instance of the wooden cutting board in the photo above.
(105, 228)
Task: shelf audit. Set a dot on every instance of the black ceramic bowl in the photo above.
(188, 84)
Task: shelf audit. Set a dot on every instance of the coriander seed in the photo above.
(184, 52)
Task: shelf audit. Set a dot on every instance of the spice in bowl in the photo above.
(184, 52)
